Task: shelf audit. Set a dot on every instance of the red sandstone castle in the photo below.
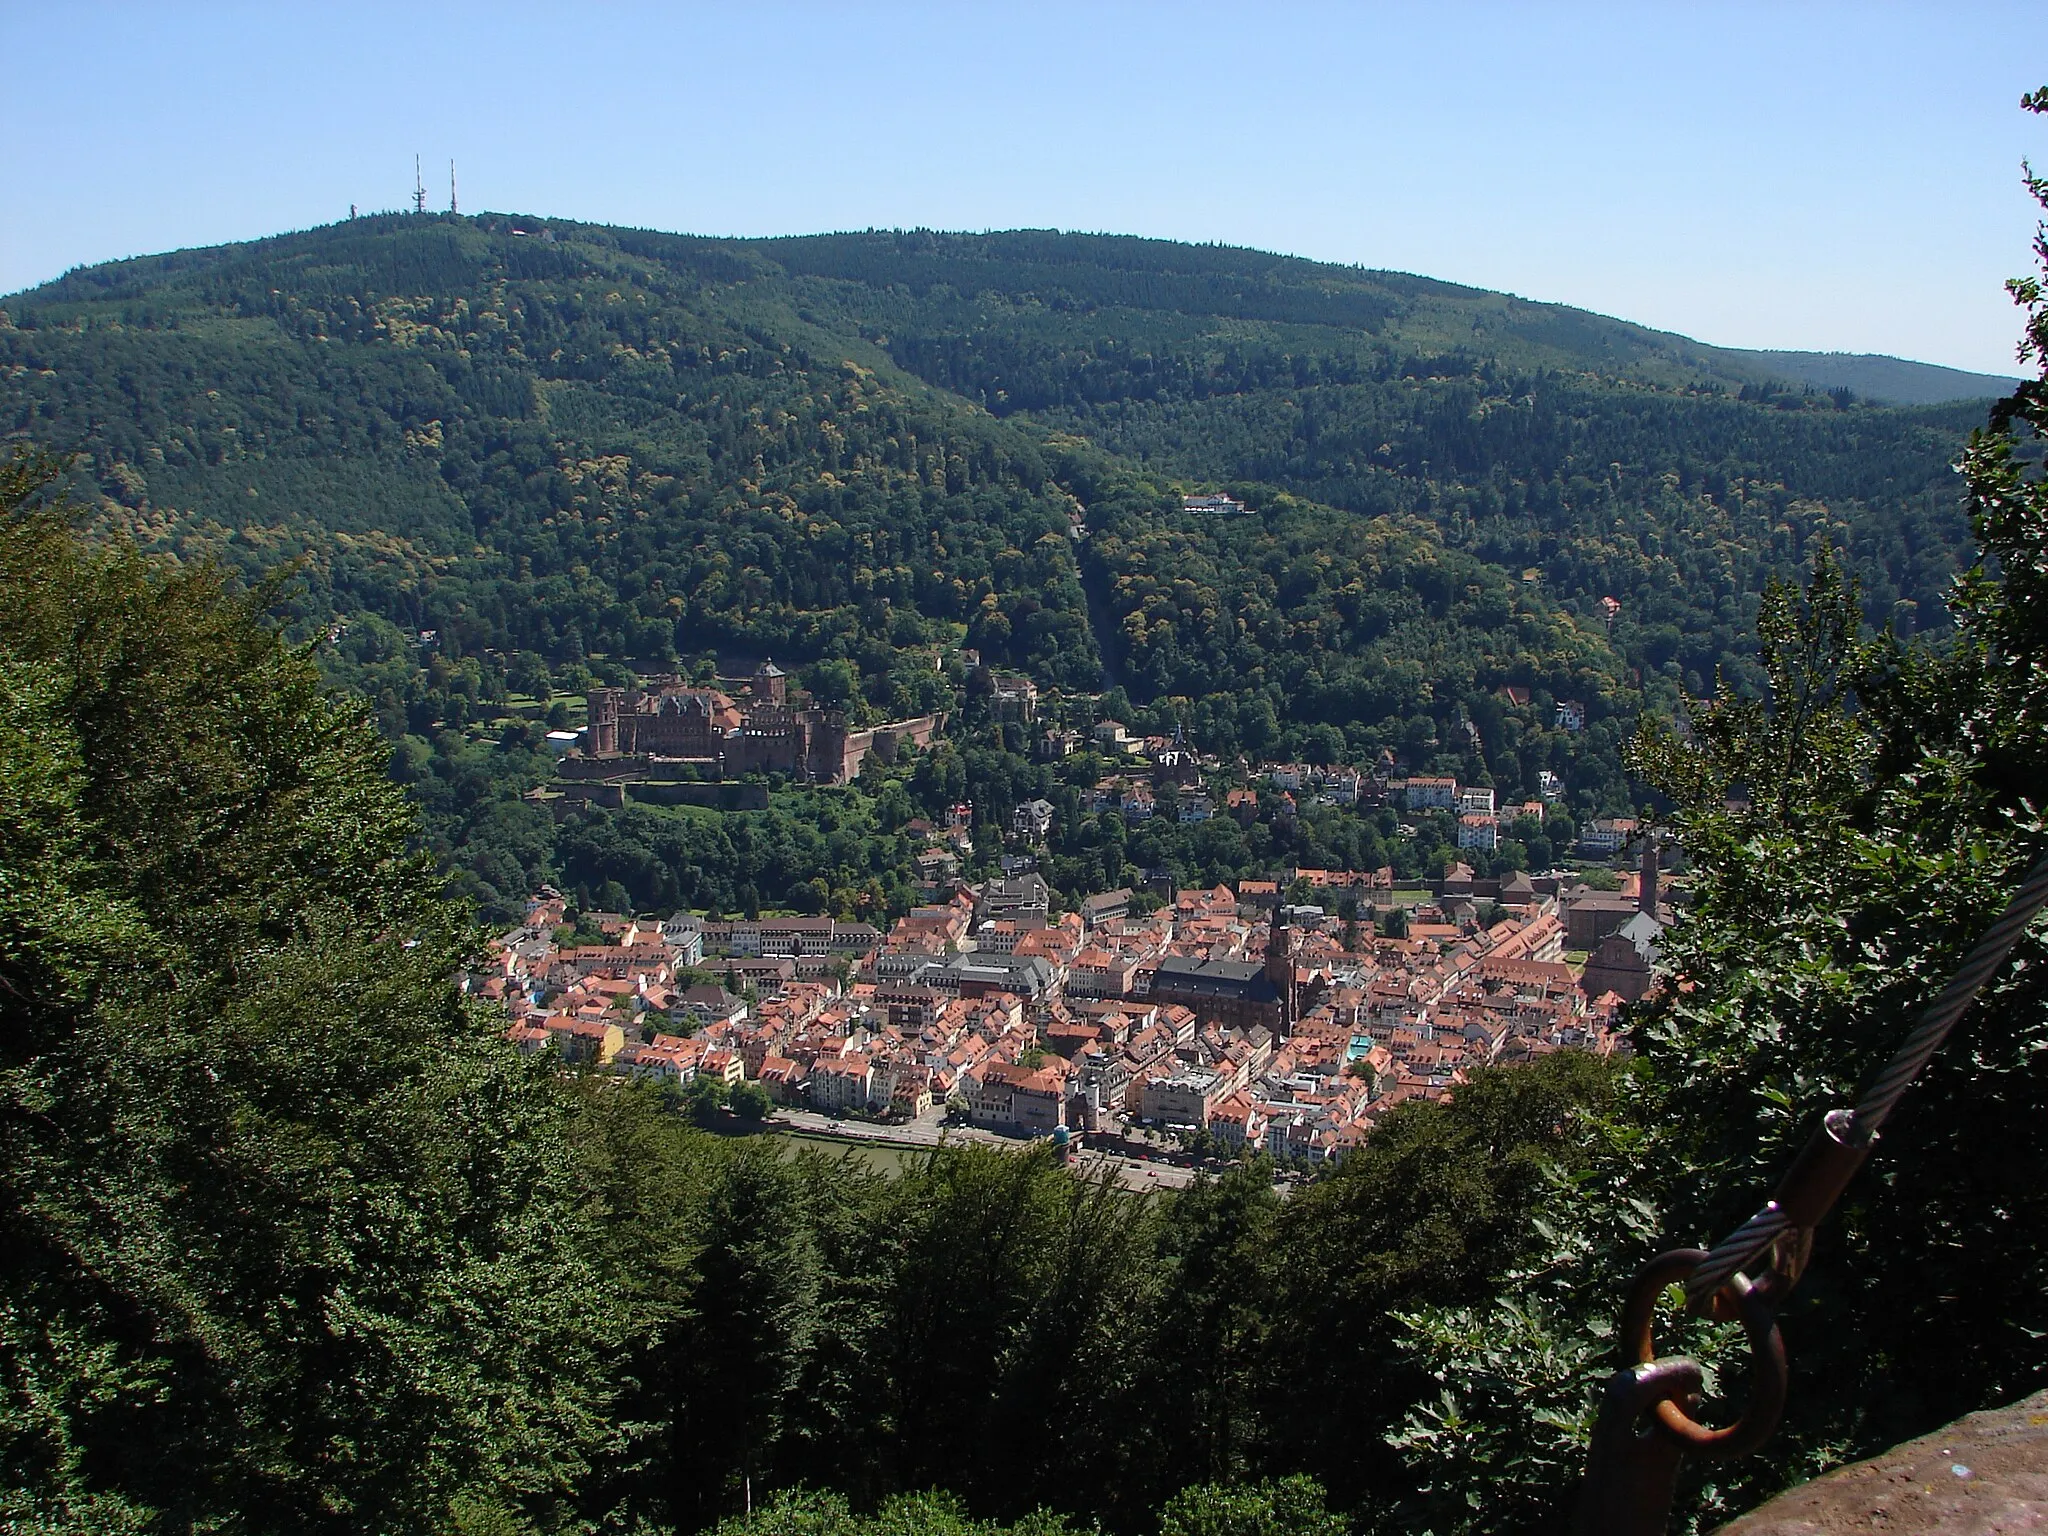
(666, 717)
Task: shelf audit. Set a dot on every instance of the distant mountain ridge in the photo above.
(1196, 279)
(1303, 290)
(1875, 376)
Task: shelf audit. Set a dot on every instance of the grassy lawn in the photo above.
(685, 812)
(879, 1159)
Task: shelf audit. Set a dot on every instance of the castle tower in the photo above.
(771, 685)
(828, 743)
(603, 714)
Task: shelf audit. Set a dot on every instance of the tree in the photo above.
(292, 1237)
(750, 1101)
(704, 1096)
(910, 1514)
(1851, 832)
(1880, 839)
(730, 1365)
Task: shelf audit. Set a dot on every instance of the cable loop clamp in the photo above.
(1737, 1300)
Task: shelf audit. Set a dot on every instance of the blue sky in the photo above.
(1820, 176)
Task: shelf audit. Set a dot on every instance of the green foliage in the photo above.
(1843, 859)
(1288, 1506)
(704, 1097)
(1530, 435)
(1878, 842)
(1443, 1207)
(732, 1372)
(1363, 634)
(1883, 842)
(909, 1514)
(291, 1241)
(987, 1322)
(1851, 834)
(605, 451)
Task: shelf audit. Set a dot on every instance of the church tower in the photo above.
(1646, 888)
(1280, 968)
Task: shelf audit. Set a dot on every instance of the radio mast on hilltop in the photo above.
(419, 188)
(451, 186)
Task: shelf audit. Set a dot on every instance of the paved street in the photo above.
(928, 1130)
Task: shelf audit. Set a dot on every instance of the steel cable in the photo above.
(1746, 1243)
(1881, 1096)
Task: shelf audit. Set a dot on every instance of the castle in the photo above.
(766, 732)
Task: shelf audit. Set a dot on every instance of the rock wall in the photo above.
(1982, 1474)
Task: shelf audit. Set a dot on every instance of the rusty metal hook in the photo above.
(1644, 1429)
(1739, 1301)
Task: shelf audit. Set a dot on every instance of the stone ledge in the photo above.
(1984, 1474)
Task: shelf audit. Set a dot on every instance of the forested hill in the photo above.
(569, 448)
(1892, 380)
(1093, 272)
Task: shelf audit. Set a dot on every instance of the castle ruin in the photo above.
(766, 731)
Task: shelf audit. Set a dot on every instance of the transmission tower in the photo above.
(419, 188)
(451, 186)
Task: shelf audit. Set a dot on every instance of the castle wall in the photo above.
(613, 766)
(889, 739)
(717, 797)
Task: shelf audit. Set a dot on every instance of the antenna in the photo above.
(419, 188)
(451, 186)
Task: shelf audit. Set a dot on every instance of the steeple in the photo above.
(1280, 967)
